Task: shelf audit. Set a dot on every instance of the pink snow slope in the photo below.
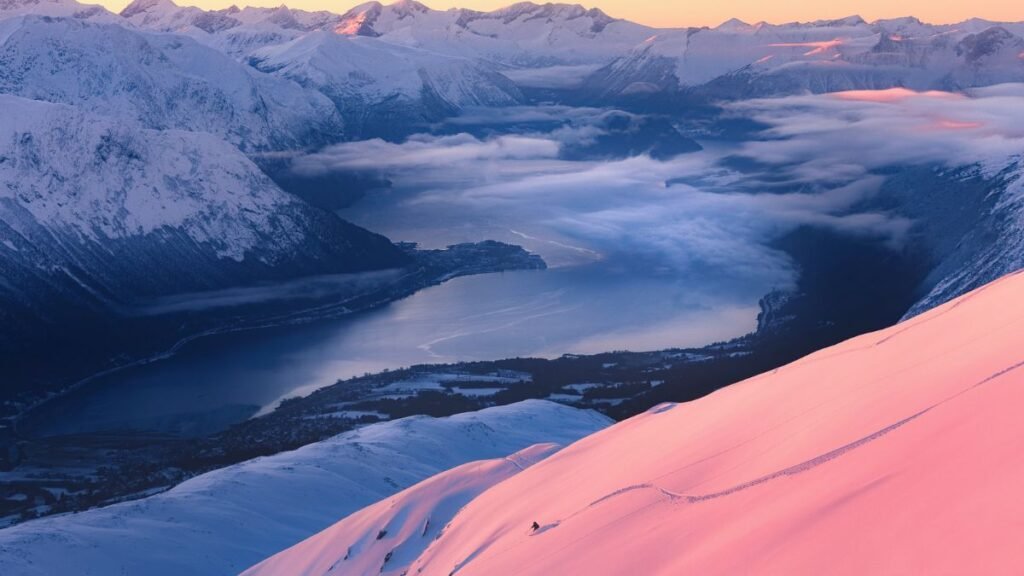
(899, 452)
(385, 537)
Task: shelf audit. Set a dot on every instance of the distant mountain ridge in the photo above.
(738, 60)
(734, 59)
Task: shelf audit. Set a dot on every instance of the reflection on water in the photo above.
(220, 380)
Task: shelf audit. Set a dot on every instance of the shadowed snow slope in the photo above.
(224, 521)
(386, 537)
(894, 453)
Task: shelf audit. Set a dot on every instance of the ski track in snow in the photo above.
(808, 464)
(695, 499)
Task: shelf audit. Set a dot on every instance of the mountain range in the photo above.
(443, 61)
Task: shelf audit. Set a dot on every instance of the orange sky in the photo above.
(707, 12)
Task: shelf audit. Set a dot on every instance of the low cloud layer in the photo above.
(709, 216)
(845, 135)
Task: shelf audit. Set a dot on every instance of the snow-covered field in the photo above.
(893, 453)
(224, 521)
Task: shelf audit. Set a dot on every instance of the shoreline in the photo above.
(432, 268)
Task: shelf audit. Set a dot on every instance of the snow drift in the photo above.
(224, 521)
(893, 453)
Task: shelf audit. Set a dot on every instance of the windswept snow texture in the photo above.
(896, 452)
(386, 537)
(222, 522)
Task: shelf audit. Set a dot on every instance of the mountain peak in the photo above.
(359, 20)
(854, 20)
(733, 24)
(144, 6)
(553, 12)
(988, 42)
(407, 7)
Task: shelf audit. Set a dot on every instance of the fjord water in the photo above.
(595, 297)
(216, 381)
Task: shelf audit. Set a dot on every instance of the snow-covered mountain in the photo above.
(895, 452)
(377, 60)
(236, 31)
(162, 81)
(97, 213)
(56, 8)
(386, 537)
(523, 34)
(166, 16)
(379, 86)
(737, 60)
(984, 229)
(224, 521)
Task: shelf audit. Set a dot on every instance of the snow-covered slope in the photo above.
(56, 8)
(166, 16)
(236, 31)
(163, 81)
(97, 213)
(378, 85)
(740, 60)
(386, 537)
(559, 44)
(522, 34)
(893, 453)
(988, 236)
(224, 521)
(372, 81)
